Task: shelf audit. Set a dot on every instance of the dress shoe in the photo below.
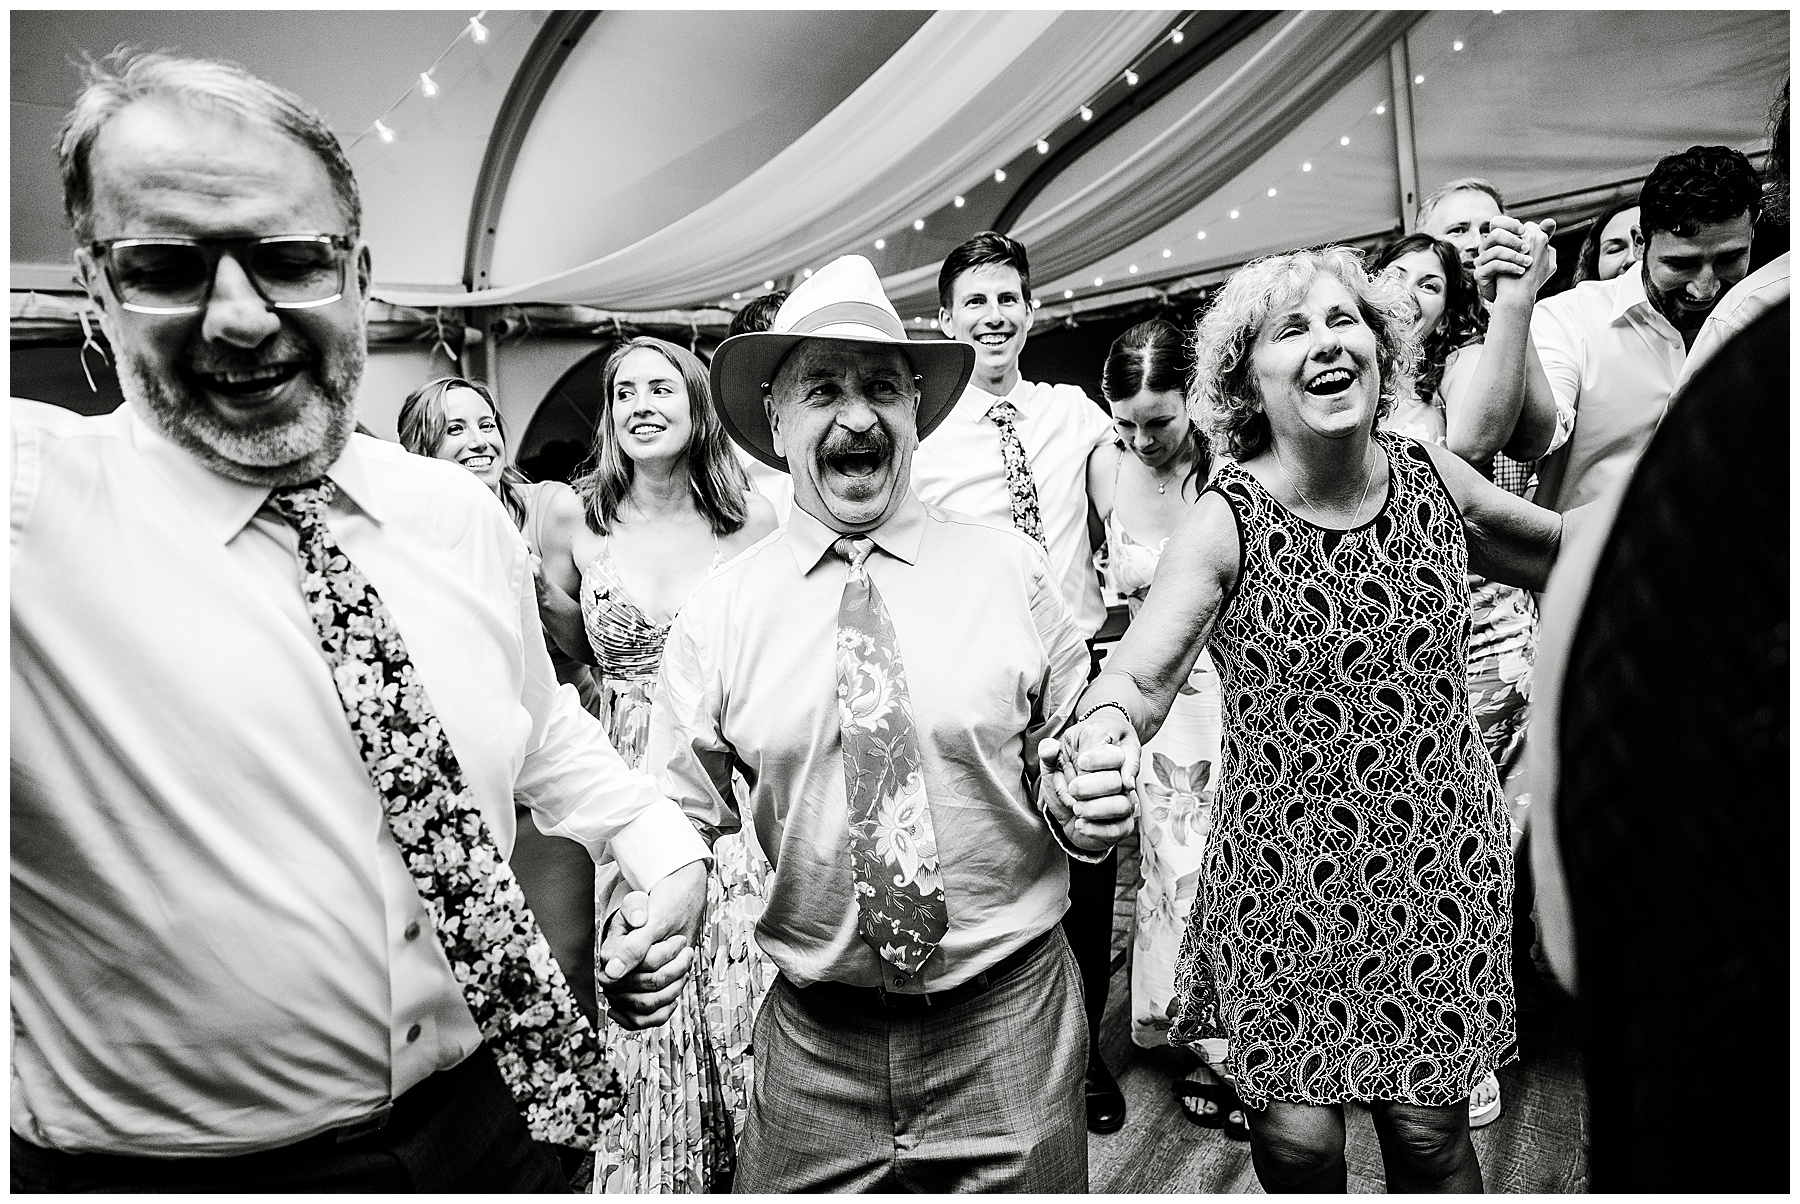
(1105, 1102)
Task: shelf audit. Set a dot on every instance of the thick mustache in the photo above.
(851, 445)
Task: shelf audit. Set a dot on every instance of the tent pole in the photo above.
(1406, 150)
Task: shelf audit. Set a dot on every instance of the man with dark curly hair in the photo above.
(1615, 348)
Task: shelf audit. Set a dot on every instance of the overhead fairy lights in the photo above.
(881, 244)
(1131, 79)
(1175, 36)
(1087, 114)
(918, 223)
(1123, 267)
(1043, 147)
(958, 202)
(426, 85)
(999, 175)
(768, 285)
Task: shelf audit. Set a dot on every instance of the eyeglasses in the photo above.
(170, 275)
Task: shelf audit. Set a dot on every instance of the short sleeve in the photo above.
(1556, 334)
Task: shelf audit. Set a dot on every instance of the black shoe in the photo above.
(1105, 1102)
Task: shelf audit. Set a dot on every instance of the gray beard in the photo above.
(292, 452)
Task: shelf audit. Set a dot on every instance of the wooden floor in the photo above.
(1537, 1145)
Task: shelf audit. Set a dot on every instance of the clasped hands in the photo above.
(1515, 255)
(648, 946)
(1088, 780)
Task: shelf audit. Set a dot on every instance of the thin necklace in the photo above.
(1162, 486)
(1368, 477)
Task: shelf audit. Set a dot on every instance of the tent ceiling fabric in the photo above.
(351, 65)
(656, 113)
(1202, 141)
(967, 90)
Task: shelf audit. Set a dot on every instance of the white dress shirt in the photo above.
(216, 947)
(749, 682)
(959, 467)
(1750, 298)
(1610, 355)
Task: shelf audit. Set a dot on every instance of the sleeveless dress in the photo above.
(1355, 915)
(687, 1081)
(1178, 780)
(1503, 631)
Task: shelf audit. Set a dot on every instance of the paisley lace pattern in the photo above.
(547, 1051)
(1357, 890)
(691, 1077)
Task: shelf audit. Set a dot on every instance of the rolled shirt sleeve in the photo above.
(686, 745)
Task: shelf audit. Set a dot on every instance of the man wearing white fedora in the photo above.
(884, 674)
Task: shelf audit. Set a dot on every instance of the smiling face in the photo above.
(1422, 273)
(651, 415)
(846, 417)
(1618, 248)
(989, 311)
(472, 436)
(1315, 366)
(1153, 426)
(259, 395)
(1457, 220)
(1684, 277)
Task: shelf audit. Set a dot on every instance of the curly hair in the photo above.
(1703, 185)
(422, 423)
(719, 482)
(1465, 318)
(1222, 396)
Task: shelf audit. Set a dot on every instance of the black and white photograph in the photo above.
(664, 601)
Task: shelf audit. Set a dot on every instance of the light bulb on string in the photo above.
(767, 285)
(737, 296)
(478, 33)
(999, 175)
(881, 244)
(958, 202)
(1175, 36)
(1458, 45)
(1099, 280)
(1087, 114)
(1271, 192)
(1381, 108)
(1043, 147)
(427, 85)
(381, 129)
(1201, 236)
(1131, 78)
(1418, 79)
(1067, 293)
(806, 274)
(1234, 213)
(1167, 252)
(1132, 269)
(1344, 141)
(1306, 167)
(918, 223)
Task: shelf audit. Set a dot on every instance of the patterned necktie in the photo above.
(546, 1049)
(893, 849)
(1018, 472)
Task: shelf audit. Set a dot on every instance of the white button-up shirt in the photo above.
(959, 467)
(1748, 300)
(1608, 353)
(216, 947)
(992, 663)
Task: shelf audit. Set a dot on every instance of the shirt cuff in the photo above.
(656, 844)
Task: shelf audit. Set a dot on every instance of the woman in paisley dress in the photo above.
(456, 419)
(1142, 485)
(1456, 390)
(663, 503)
(1352, 938)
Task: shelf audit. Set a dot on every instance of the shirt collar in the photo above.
(981, 401)
(810, 540)
(223, 505)
(1629, 293)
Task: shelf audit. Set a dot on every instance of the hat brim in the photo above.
(744, 364)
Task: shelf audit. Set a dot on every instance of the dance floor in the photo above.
(1537, 1145)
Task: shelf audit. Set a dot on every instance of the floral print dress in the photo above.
(687, 1083)
(1177, 782)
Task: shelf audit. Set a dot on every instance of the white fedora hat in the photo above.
(843, 300)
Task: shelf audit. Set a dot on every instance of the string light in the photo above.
(737, 296)
(1234, 214)
(1458, 45)
(1344, 141)
(1418, 79)
(1099, 280)
(881, 244)
(1201, 236)
(478, 33)
(1381, 108)
(1306, 167)
(1133, 269)
(386, 134)
(1271, 192)
(958, 202)
(427, 85)
(767, 285)
(918, 223)
(999, 175)
(1067, 293)
(1087, 114)
(1167, 252)
(1131, 78)
(807, 274)
(1175, 36)
(1043, 147)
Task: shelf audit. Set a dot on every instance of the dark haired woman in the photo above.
(456, 419)
(1142, 485)
(1458, 403)
(1609, 247)
(663, 504)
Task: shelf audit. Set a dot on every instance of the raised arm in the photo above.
(1505, 403)
(1510, 540)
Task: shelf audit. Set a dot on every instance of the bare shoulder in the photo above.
(1102, 475)
(1207, 540)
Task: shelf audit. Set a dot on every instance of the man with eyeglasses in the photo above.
(275, 688)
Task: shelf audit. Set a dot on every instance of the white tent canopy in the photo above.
(664, 160)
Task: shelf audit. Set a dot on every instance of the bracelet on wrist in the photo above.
(1098, 707)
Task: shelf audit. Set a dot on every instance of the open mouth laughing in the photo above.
(1331, 382)
(250, 385)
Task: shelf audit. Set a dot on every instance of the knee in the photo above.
(1299, 1153)
(1431, 1140)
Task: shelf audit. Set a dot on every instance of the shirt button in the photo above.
(412, 1034)
(412, 931)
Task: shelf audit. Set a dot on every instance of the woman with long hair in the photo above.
(1142, 485)
(663, 503)
(1609, 247)
(1353, 937)
(455, 419)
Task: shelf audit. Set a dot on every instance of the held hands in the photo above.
(1090, 780)
(1516, 258)
(647, 947)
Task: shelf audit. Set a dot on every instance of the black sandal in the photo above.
(1228, 1115)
